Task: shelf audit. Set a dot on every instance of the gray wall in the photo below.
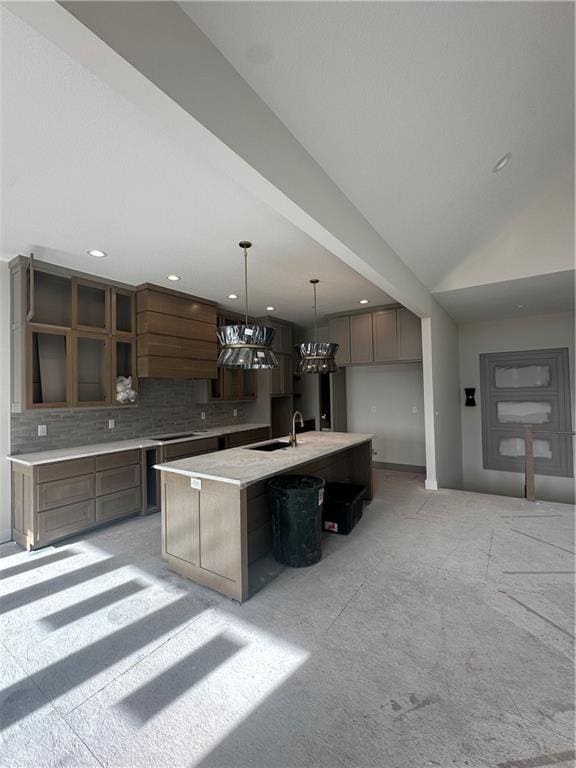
(165, 405)
(542, 332)
(380, 400)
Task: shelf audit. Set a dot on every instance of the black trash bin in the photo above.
(296, 507)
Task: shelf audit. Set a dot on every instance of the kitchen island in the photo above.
(215, 516)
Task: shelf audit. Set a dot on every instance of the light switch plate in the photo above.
(111, 423)
(41, 430)
(235, 412)
(203, 415)
(196, 483)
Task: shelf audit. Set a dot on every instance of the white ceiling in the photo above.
(538, 295)
(407, 106)
(82, 168)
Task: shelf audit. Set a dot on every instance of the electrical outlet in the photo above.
(414, 409)
(373, 409)
(203, 415)
(41, 430)
(111, 423)
(235, 412)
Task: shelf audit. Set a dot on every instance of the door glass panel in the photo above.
(48, 368)
(514, 446)
(124, 313)
(91, 370)
(52, 299)
(91, 306)
(522, 376)
(524, 412)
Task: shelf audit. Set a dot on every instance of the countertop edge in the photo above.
(97, 449)
(165, 467)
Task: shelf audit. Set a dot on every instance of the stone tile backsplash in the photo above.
(165, 405)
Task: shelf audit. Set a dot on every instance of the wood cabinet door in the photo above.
(385, 343)
(181, 518)
(340, 334)
(90, 306)
(287, 378)
(287, 337)
(361, 350)
(277, 374)
(409, 335)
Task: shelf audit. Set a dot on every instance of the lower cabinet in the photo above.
(53, 501)
(57, 523)
(118, 504)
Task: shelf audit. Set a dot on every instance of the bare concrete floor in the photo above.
(439, 633)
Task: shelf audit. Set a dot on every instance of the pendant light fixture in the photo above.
(246, 346)
(316, 356)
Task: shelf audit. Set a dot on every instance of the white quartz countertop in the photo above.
(85, 451)
(242, 466)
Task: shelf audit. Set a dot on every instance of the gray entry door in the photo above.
(531, 387)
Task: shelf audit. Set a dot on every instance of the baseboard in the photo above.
(416, 468)
(5, 536)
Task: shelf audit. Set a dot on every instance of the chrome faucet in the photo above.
(297, 416)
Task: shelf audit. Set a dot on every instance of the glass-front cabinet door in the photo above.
(50, 299)
(123, 312)
(48, 368)
(124, 382)
(520, 389)
(91, 306)
(91, 370)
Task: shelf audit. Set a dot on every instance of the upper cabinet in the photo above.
(387, 335)
(72, 336)
(409, 336)
(361, 350)
(340, 334)
(90, 306)
(281, 378)
(176, 335)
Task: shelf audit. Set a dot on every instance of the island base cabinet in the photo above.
(213, 533)
(204, 533)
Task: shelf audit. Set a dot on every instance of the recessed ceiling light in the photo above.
(270, 309)
(502, 163)
(174, 278)
(520, 306)
(232, 296)
(363, 301)
(98, 254)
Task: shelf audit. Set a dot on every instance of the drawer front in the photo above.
(68, 491)
(118, 504)
(236, 439)
(121, 459)
(257, 435)
(62, 469)
(190, 448)
(64, 521)
(117, 479)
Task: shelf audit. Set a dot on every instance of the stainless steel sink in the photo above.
(277, 446)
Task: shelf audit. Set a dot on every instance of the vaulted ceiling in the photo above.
(408, 106)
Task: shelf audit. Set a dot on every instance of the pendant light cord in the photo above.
(246, 283)
(315, 316)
